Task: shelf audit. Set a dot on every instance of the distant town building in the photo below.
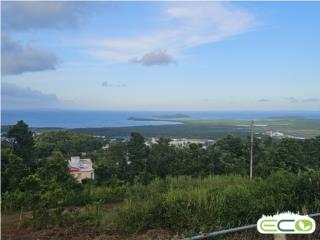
(81, 168)
(182, 142)
(105, 146)
(151, 141)
(277, 134)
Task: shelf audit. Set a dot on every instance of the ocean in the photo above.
(84, 119)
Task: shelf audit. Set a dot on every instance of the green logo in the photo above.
(286, 223)
(303, 225)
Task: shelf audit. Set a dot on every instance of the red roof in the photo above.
(73, 169)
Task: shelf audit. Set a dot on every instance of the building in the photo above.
(81, 168)
(276, 134)
(150, 141)
(183, 142)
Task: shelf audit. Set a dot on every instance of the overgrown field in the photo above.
(183, 205)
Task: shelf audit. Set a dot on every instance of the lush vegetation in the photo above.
(188, 205)
(186, 190)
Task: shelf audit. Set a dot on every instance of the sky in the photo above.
(206, 56)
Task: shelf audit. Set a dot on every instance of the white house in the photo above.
(81, 168)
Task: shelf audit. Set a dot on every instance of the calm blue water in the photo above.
(82, 119)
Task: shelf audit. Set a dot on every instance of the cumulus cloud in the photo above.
(23, 16)
(185, 25)
(28, 15)
(14, 97)
(107, 84)
(157, 57)
(311, 100)
(263, 100)
(16, 59)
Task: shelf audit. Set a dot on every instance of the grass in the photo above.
(293, 126)
(186, 206)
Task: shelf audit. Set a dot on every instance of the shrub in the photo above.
(188, 205)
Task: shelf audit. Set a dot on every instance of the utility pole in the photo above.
(251, 147)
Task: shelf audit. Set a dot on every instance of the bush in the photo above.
(189, 206)
(183, 205)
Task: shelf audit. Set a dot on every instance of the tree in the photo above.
(55, 168)
(232, 158)
(12, 172)
(113, 163)
(289, 155)
(212, 158)
(117, 158)
(67, 142)
(23, 145)
(161, 158)
(263, 156)
(137, 153)
(192, 160)
(311, 150)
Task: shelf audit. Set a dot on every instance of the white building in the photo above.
(182, 142)
(81, 168)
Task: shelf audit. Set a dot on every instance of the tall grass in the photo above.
(182, 205)
(188, 205)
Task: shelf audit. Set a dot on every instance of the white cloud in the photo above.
(15, 97)
(107, 84)
(311, 100)
(186, 25)
(305, 100)
(262, 100)
(157, 57)
(28, 15)
(210, 21)
(16, 59)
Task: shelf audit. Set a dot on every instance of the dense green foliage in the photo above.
(34, 170)
(229, 155)
(23, 140)
(191, 205)
(184, 189)
(68, 143)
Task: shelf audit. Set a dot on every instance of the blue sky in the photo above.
(161, 55)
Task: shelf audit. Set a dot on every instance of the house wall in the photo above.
(75, 159)
(79, 176)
